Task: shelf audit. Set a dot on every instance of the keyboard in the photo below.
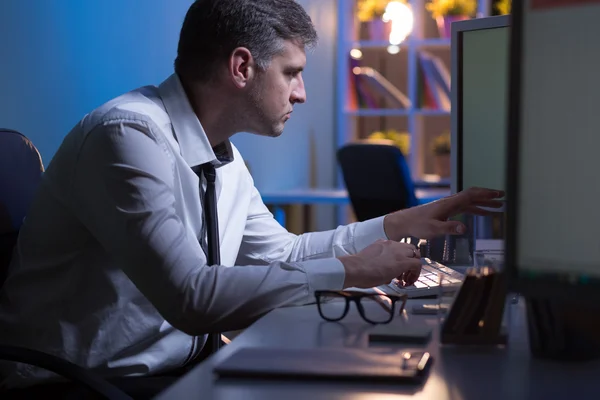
(428, 283)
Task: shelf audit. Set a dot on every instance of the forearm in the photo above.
(229, 298)
(344, 240)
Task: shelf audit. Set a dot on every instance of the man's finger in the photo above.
(489, 203)
(482, 193)
(411, 251)
(480, 211)
(410, 278)
(454, 204)
(412, 275)
(450, 227)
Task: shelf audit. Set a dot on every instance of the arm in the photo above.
(266, 241)
(123, 193)
(368, 258)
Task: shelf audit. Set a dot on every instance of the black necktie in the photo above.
(213, 256)
(210, 215)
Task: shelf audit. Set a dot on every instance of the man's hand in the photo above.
(431, 220)
(381, 262)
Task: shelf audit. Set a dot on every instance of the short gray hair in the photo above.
(212, 29)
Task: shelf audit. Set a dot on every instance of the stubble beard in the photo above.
(265, 125)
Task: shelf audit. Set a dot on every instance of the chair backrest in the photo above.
(21, 170)
(377, 178)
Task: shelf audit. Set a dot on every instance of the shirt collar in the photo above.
(188, 131)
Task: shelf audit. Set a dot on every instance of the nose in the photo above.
(298, 93)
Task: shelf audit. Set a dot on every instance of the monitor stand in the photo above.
(562, 332)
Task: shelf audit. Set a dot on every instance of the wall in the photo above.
(61, 58)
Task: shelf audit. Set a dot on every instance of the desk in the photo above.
(278, 199)
(456, 373)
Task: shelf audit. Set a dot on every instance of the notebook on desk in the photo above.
(391, 365)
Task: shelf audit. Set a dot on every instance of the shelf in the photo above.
(433, 43)
(379, 112)
(432, 113)
(403, 70)
(383, 44)
(373, 44)
(396, 112)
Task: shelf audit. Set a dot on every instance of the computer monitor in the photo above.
(553, 230)
(479, 107)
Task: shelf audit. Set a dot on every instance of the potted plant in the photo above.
(447, 11)
(441, 151)
(503, 6)
(369, 13)
(392, 136)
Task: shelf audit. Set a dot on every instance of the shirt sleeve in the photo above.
(122, 191)
(266, 241)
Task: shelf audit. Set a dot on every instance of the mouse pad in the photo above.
(327, 363)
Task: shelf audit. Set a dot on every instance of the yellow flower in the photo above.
(399, 139)
(366, 10)
(440, 8)
(504, 6)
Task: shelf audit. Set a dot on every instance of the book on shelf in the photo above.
(425, 96)
(369, 87)
(353, 100)
(436, 81)
(359, 90)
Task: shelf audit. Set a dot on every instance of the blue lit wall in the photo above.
(61, 58)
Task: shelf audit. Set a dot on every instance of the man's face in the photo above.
(275, 90)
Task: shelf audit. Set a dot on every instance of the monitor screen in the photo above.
(555, 86)
(483, 110)
(479, 102)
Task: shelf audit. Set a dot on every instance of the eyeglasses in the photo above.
(382, 314)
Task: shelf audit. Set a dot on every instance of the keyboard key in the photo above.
(429, 280)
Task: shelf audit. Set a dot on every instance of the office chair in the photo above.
(377, 178)
(21, 170)
(379, 182)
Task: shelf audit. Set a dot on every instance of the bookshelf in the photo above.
(404, 69)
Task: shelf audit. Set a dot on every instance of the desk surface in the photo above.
(336, 196)
(456, 374)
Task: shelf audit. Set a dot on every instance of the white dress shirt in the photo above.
(108, 271)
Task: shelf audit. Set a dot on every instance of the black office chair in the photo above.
(379, 182)
(377, 178)
(21, 170)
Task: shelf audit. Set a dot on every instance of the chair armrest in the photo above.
(63, 368)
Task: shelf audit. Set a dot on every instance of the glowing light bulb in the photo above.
(356, 54)
(393, 49)
(401, 17)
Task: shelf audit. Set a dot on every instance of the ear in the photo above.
(241, 66)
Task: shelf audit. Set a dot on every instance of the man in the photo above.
(110, 270)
